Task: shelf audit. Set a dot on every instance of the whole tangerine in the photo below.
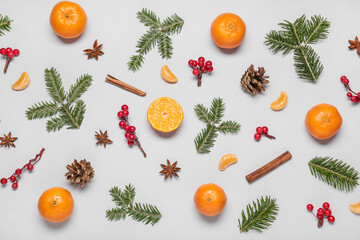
(210, 199)
(323, 121)
(68, 19)
(228, 30)
(56, 205)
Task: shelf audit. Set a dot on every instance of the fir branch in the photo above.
(307, 63)
(207, 137)
(317, 29)
(42, 110)
(5, 24)
(54, 85)
(54, 124)
(80, 87)
(135, 62)
(148, 18)
(278, 42)
(334, 172)
(165, 46)
(145, 213)
(68, 115)
(260, 215)
(148, 41)
(172, 25)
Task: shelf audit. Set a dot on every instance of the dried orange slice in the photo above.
(355, 207)
(22, 82)
(279, 103)
(165, 114)
(227, 160)
(167, 75)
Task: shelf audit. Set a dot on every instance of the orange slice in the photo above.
(227, 160)
(165, 114)
(279, 103)
(167, 75)
(22, 83)
(355, 207)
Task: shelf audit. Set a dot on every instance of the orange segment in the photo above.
(279, 103)
(355, 207)
(227, 160)
(22, 82)
(165, 114)
(167, 75)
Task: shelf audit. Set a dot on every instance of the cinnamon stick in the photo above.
(125, 86)
(268, 167)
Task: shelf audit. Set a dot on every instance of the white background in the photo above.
(114, 24)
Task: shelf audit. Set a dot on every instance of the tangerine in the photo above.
(68, 19)
(323, 121)
(210, 199)
(56, 205)
(279, 103)
(167, 75)
(22, 82)
(228, 30)
(355, 207)
(227, 160)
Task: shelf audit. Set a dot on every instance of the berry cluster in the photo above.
(14, 178)
(9, 54)
(262, 130)
(199, 67)
(322, 213)
(354, 98)
(130, 130)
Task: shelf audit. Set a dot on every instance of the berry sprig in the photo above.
(322, 213)
(16, 175)
(354, 98)
(199, 67)
(129, 129)
(262, 131)
(9, 53)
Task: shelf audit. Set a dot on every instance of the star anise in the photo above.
(102, 138)
(7, 141)
(355, 45)
(169, 170)
(95, 52)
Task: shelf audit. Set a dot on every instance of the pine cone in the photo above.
(252, 81)
(80, 173)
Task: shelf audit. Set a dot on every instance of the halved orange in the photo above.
(165, 114)
(167, 75)
(227, 160)
(279, 103)
(22, 82)
(355, 207)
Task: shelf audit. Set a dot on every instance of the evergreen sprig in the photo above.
(212, 117)
(334, 172)
(145, 213)
(158, 34)
(5, 24)
(296, 36)
(260, 215)
(68, 106)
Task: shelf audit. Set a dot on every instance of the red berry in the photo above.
(331, 219)
(18, 171)
(326, 205)
(3, 181)
(310, 207)
(201, 64)
(125, 113)
(16, 52)
(127, 128)
(210, 69)
(196, 72)
(127, 135)
(124, 107)
(320, 211)
(265, 129)
(257, 136)
(346, 81)
(319, 216)
(201, 59)
(343, 78)
(13, 178)
(349, 94)
(190, 62)
(194, 63)
(120, 114)
(8, 50)
(132, 129)
(208, 64)
(122, 124)
(14, 185)
(30, 167)
(358, 94)
(10, 55)
(327, 212)
(259, 130)
(354, 99)
(3, 51)
(132, 137)
(203, 69)
(130, 142)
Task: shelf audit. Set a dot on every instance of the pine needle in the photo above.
(334, 172)
(5, 24)
(260, 215)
